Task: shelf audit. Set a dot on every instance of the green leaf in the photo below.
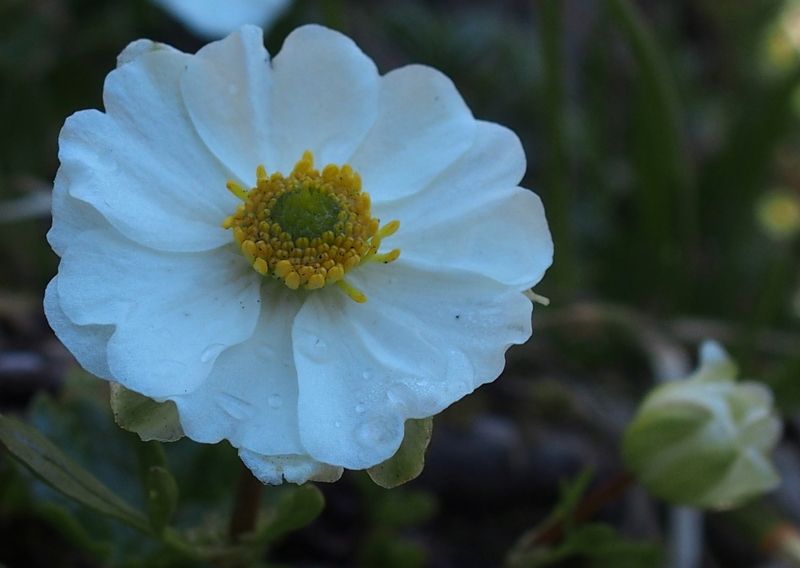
(50, 464)
(409, 460)
(296, 508)
(162, 497)
(149, 419)
(72, 530)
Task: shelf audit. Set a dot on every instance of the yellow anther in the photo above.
(292, 280)
(352, 292)
(237, 190)
(316, 281)
(283, 268)
(260, 266)
(309, 228)
(385, 257)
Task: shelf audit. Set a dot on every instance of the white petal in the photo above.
(421, 342)
(139, 47)
(87, 343)
(175, 313)
(226, 87)
(423, 126)
(217, 18)
(70, 216)
(142, 164)
(250, 396)
(324, 97)
(474, 218)
(292, 468)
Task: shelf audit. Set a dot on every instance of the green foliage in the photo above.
(54, 468)
(295, 508)
(149, 419)
(407, 463)
(599, 545)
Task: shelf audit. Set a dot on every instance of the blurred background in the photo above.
(664, 139)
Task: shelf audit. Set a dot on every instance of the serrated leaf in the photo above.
(144, 416)
(296, 508)
(407, 463)
(50, 464)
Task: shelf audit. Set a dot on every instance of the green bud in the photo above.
(705, 440)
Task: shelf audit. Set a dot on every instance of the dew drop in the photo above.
(211, 352)
(376, 432)
(338, 423)
(361, 408)
(275, 401)
(368, 374)
(400, 394)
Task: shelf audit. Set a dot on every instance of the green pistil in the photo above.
(306, 212)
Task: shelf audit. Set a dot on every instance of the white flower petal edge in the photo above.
(87, 343)
(174, 313)
(324, 97)
(294, 469)
(226, 90)
(217, 18)
(142, 165)
(250, 396)
(473, 216)
(422, 120)
(422, 341)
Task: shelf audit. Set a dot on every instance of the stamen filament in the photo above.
(352, 292)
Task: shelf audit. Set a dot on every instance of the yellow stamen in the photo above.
(237, 190)
(352, 292)
(309, 228)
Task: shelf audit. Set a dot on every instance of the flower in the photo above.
(173, 286)
(705, 441)
(213, 19)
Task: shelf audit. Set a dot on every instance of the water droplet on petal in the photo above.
(368, 374)
(400, 394)
(211, 352)
(376, 432)
(338, 423)
(361, 408)
(275, 401)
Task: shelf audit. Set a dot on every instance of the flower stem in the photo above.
(553, 531)
(246, 505)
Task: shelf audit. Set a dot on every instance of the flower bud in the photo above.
(705, 440)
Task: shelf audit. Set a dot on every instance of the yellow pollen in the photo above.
(308, 229)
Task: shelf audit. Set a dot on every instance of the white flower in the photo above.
(154, 293)
(217, 18)
(705, 440)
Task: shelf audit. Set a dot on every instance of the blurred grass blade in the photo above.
(54, 468)
(556, 167)
(407, 463)
(665, 174)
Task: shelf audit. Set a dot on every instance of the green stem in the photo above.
(246, 505)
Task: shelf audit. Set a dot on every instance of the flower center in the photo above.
(310, 228)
